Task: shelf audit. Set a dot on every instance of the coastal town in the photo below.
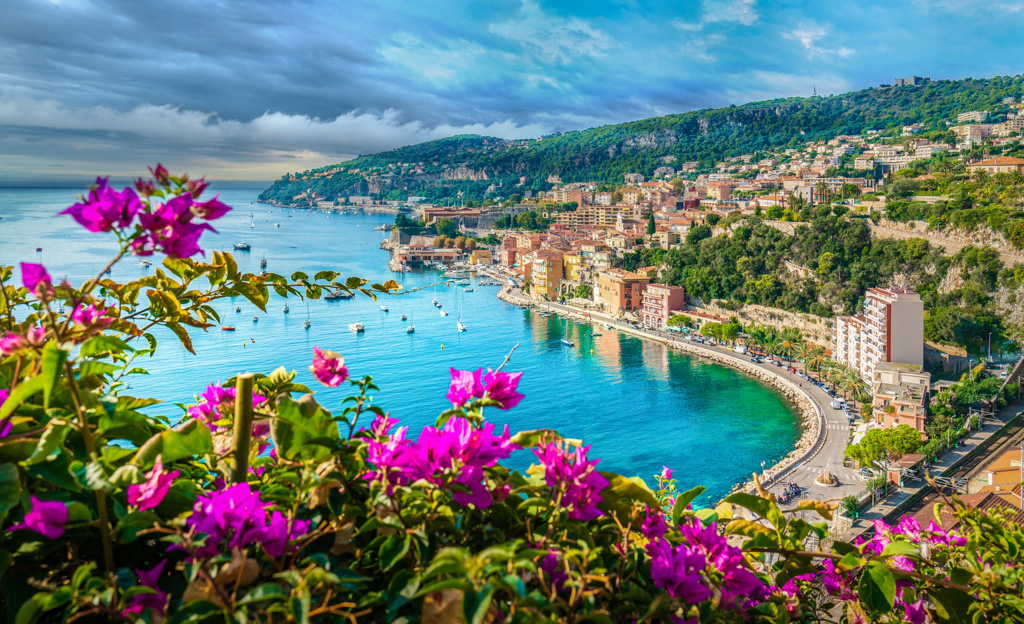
(580, 248)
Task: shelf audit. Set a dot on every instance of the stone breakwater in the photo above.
(812, 431)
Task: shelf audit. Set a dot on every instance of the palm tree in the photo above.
(813, 357)
(786, 347)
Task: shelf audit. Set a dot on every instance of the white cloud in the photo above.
(969, 7)
(439, 64)
(809, 33)
(44, 133)
(722, 11)
(550, 37)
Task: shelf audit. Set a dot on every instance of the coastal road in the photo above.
(837, 428)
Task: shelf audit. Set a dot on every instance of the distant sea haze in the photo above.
(637, 403)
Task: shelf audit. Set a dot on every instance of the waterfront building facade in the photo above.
(546, 273)
(620, 291)
(891, 329)
(900, 395)
(658, 301)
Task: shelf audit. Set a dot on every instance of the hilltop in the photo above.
(479, 165)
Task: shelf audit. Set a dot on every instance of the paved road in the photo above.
(803, 474)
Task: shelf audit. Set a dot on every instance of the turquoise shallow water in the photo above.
(639, 404)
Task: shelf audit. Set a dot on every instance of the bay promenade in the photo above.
(825, 430)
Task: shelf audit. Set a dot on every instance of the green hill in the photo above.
(470, 163)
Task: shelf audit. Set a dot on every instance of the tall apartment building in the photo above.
(658, 301)
(547, 273)
(975, 116)
(620, 291)
(891, 329)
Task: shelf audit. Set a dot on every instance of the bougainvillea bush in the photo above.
(259, 504)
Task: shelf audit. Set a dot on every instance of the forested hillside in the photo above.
(471, 164)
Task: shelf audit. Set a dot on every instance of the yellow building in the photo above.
(546, 273)
(480, 256)
(620, 291)
(571, 266)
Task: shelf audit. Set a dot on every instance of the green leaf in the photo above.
(683, 500)
(951, 605)
(821, 508)
(20, 394)
(92, 367)
(878, 587)
(186, 440)
(32, 609)
(905, 549)
(129, 526)
(475, 604)
(52, 369)
(103, 344)
(393, 549)
(182, 334)
(51, 440)
(707, 515)
(10, 488)
(629, 488)
(303, 431)
(532, 438)
(763, 507)
(261, 593)
(747, 528)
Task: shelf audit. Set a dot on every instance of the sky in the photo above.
(255, 89)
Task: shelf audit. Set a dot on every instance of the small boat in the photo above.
(410, 329)
(306, 324)
(596, 334)
(238, 308)
(145, 262)
(357, 327)
(568, 343)
(462, 327)
(607, 326)
(61, 310)
(255, 319)
(277, 225)
(243, 246)
(263, 262)
(227, 328)
(337, 294)
(434, 302)
(404, 317)
(470, 290)
(444, 312)
(383, 308)
(39, 248)
(285, 308)
(438, 304)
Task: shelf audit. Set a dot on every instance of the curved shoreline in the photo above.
(811, 417)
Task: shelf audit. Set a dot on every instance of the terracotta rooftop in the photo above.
(984, 501)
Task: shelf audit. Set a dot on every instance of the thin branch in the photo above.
(507, 357)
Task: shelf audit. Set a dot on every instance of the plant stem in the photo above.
(90, 448)
(243, 428)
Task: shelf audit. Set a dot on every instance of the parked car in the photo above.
(866, 472)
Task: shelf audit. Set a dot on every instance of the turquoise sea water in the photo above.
(637, 403)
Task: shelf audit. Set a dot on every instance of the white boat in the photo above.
(277, 225)
(338, 294)
(568, 343)
(255, 319)
(410, 329)
(384, 308)
(238, 308)
(607, 326)
(285, 308)
(462, 327)
(357, 327)
(444, 312)
(470, 290)
(243, 246)
(145, 262)
(404, 317)
(306, 323)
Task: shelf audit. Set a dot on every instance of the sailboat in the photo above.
(411, 328)
(461, 326)
(356, 327)
(285, 308)
(566, 341)
(263, 262)
(306, 323)
(435, 298)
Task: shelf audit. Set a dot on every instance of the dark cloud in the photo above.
(252, 89)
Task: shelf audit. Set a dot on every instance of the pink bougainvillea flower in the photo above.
(151, 493)
(210, 210)
(35, 336)
(34, 275)
(739, 581)
(328, 367)
(502, 388)
(46, 518)
(145, 187)
(465, 386)
(105, 209)
(196, 188)
(91, 315)
(160, 174)
(666, 472)
(677, 570)
(570, 469)
(156, 601)
(218, 403)
(10, 343)
(654, 524)
(236, 517)
(276, 536)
